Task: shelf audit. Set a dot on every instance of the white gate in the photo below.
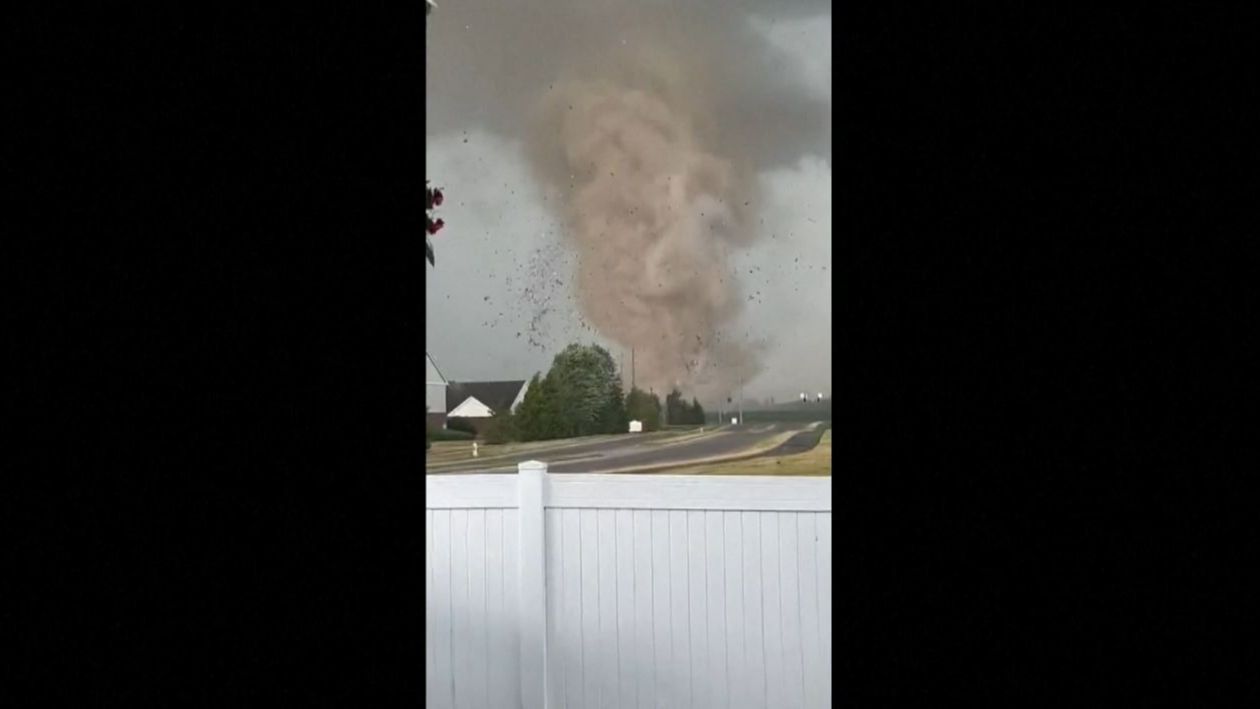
(582, 590)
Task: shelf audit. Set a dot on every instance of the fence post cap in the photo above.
(531, 465)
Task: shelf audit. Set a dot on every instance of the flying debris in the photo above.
(652, 100)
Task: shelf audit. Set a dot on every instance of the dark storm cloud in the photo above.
(647, 125)
(489, 62)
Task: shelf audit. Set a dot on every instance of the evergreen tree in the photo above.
(586, 380)
(697, 412)
(645, 407)
(580, 395)
(676, 409)
(532, 416)
(612, 417)
(502, 427)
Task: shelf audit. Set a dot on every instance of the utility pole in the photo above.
(741, 402)
(631, 369)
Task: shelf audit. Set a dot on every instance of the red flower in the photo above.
(437, 197)
(435, 226)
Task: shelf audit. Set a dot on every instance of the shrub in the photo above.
(445, 434)
(502, 428)
(459, 423)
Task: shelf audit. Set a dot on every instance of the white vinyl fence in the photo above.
(588, 591)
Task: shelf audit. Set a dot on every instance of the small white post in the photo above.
(531, 481)
(474, 449)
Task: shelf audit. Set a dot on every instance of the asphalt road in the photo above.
(563, 450)
(799, 443)
(627, 451)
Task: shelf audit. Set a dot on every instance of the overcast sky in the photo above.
(502, 300)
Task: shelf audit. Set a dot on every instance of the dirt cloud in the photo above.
(647, 123)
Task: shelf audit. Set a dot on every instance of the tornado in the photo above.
(647, 124)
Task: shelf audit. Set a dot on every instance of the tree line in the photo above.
(581, 395)
(680, 412)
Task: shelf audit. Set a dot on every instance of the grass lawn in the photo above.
(815, 461)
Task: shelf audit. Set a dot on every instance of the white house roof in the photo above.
(495, 396)
(520, 395)
(470, 408)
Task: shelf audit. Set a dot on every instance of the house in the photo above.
(435, 386)
(478, 401)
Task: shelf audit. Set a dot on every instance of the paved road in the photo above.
(628, 452)
(565, 449)
(801, 442)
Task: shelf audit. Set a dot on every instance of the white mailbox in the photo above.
(636, 427)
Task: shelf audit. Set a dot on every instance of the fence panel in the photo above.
(472, 602)
(627, 591)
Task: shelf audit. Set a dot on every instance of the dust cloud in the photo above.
(647, 124)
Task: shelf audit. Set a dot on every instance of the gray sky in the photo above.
(502, 299)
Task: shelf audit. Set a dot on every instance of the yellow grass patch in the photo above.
(815, 461)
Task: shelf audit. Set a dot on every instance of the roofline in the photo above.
(520, 395)
(430, 358)
(483, 404)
